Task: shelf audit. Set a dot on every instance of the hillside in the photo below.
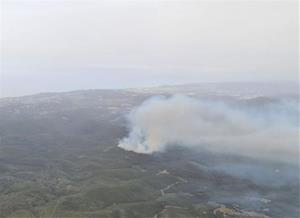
(59, 158)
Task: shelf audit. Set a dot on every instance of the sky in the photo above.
(63, 45)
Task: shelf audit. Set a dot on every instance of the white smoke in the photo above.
(185, 121)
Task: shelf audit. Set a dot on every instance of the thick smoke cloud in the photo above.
(264, 131)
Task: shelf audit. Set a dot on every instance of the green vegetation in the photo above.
(59, 159)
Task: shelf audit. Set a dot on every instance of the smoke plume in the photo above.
(268, 130)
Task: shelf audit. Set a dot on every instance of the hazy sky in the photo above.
(60, 45)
